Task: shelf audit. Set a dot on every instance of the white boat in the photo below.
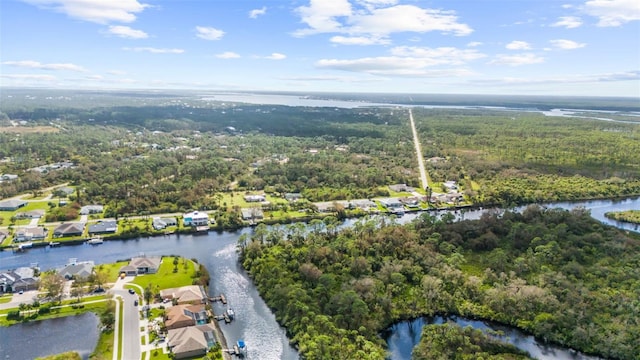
(95, 241)
(54, 244)
(230, 313)
(26, 245)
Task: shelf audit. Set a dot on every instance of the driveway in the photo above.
(25, 298)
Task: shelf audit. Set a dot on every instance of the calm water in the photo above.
(255, 322)
(402, 337)
(27, 341)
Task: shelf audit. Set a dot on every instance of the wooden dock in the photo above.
(220, 298)
(227, 319)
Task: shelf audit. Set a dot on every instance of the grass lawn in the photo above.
(5, 298)
(104, 348)
(237, 199)
(112, 270)
(71, 355)
(165, 277)
(97, 308)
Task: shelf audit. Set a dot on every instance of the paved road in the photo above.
(130, 322)
(416, 141)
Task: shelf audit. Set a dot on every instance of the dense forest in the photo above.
(557, 274)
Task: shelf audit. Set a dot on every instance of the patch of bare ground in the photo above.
(28, 129)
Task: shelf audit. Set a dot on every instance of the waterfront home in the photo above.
(195, 219)
(30, 233)
(142, 265)
(191, 294)
(12, 204)
(161, 223)
(252, 214)
(69, 229)
(185, 315)
(104, 227)
(190, 341)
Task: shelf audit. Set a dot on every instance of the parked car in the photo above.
(135, 303)
(131, 291)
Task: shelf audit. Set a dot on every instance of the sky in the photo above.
(514, 47)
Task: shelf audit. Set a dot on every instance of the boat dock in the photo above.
(220, 298)
(239, 349)
(227, 316)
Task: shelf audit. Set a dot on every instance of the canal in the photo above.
(255, 323)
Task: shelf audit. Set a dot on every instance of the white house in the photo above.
(195, 219)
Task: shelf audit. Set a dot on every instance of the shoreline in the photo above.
(304, 219)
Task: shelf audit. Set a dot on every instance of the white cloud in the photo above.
(38, 65)
(613, 12)
(517, 60)
(566, 44)
(127, 32)
(276, 56)
(518, 45)
(359, 40)
(98, 11)
(408, 61)
(257, 12)
(227, 55)
(375, 19)
(154, 50)
(633, 75)
(569, 22)
(116, 72)
(474, 44)
(209, 33)
(39, 77)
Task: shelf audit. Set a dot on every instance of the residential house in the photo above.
(20, 279)
(185, 315)
(30, 233)
(91, 209)
(411, 202)
(450, 185)
(401, 188)
(363, 204)
(195, 219)
(69, 229)
(33, 214)
(292, 197)
(146, 265)
(191, 294)
(252, 214)
(76, 270)
(190, 341)
(12, 205)
(255, 198)
(162, 223)
(8, 177)
(104, 227)
(65, 190)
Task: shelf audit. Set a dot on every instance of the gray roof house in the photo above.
(33, 214)
(142, 265)
(12, 205)
(91, 209)
(103, 227)
(18, 279)
(30, 233)
(252, 214)
(69, 229)
(76, 270)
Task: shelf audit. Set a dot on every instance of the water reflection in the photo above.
(26, 341)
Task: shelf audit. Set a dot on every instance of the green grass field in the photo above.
(165, 277)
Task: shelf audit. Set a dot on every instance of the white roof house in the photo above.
(195, 218)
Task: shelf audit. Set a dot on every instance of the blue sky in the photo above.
(538, 47)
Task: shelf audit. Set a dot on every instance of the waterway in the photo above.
(402, 337)
(34, 339)
(255, 323)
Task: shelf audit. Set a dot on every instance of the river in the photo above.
(255, 323)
